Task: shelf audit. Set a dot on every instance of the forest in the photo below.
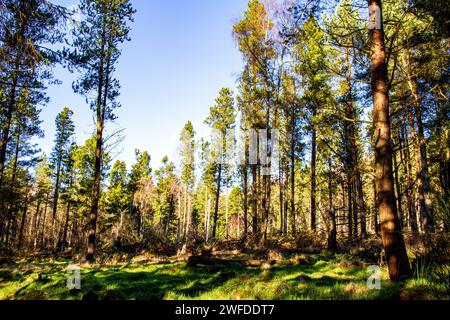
(327, 166)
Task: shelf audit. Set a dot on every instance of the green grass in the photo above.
(318, 277)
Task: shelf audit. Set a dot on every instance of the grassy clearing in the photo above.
(314, 277)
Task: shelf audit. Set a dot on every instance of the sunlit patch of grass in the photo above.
(320, 276)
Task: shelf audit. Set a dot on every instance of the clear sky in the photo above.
(181, 53)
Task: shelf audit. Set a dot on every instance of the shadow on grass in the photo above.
(179, 279)
(315, 279)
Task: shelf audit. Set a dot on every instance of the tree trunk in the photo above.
(13, 199)
(66, 226)
(37, 223)
(179, 218)
(245, 201)
(188, 219)
(280, 187)
(8, 117)
(206, 212)
(92, 224)
(22, 224)
(208, 219)
(350, 208)
(254, 200)
(266, 205)
(43, 221)
(74, 234)
(361, 204)
(393, 243)
(398, 189)
(376, 219)
(216, 205)
(286, 195)
(184, 211)
(408, 173)
(226, 216)
(351, 115)
(424, 190)
(355, 211)
(313, 175)
(56, 191)
(10, 105)
(331, 223)
(169, 216)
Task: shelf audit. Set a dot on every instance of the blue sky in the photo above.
(181, 53)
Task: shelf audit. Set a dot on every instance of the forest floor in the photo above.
(299, 276)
